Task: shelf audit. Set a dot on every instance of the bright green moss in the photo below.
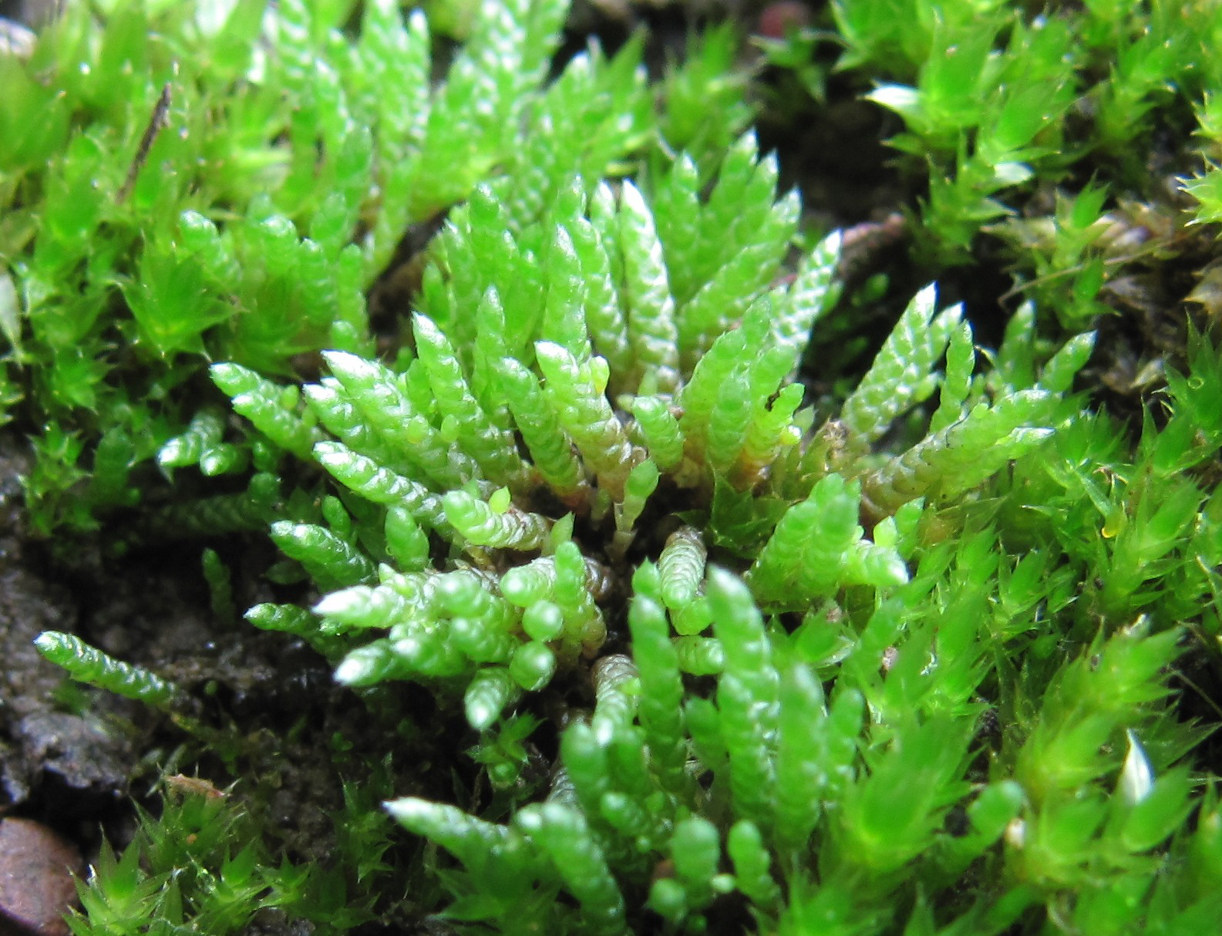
(897, 654)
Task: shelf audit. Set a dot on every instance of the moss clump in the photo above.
(740, 634)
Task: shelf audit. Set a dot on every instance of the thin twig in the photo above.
(157, 121)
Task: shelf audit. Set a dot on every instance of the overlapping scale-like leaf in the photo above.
(818, 548)
(646, 293)
(902, 374)
(577, 395)
(491, 447)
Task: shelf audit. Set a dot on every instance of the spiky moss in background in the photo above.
(904, 669)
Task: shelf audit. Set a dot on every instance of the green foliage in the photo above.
(418, 439)
(771, 749)
(817, 548)
(1206, 187)
(90, 665)
(630, 794)
(265, 194)
(906, 647)
(997, 96)
(202, 866)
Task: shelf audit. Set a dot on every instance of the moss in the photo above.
(721, 627)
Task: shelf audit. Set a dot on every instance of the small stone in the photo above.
(36, 886)
(81, 765)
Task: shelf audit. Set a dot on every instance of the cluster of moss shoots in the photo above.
(593, 457)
